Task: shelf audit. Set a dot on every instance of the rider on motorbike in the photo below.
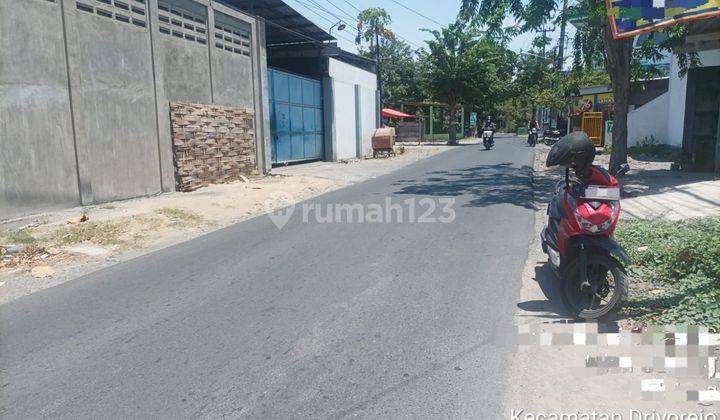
(530, 125)
(490, 125)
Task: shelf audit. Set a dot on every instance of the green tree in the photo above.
(373, 24)
(373, 27)
(458, 68)
(398, 73)
(616, 55)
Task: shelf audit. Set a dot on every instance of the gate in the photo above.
(296, 117)
(592, 125)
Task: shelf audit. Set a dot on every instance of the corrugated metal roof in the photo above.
(284, 25)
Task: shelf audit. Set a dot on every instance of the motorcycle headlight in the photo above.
(590, 226)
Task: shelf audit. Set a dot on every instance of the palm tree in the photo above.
(374, 24)
(453, 70)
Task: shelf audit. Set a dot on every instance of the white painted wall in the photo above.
(710, 58)
(648, 120)
(678, 96)
(345, 77)
(677, 89)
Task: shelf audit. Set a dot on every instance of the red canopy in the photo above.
(391, 113)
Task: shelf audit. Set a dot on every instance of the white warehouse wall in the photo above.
(678, 96)
(344, 79)
(643, 121)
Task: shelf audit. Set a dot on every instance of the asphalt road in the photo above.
(391, 320)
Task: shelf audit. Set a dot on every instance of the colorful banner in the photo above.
(582, 104)
(632, 17)
(606, 98)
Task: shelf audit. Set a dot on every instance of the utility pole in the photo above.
(378, 99)
(377, 59)
(544, 62)
(561, 48)
(544, 36)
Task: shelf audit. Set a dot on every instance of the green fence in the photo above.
(436, 119)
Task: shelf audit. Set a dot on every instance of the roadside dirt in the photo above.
(578, 368)
(46, 250)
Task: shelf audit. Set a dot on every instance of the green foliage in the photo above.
(676, 272)
(15, 237)
(373, 22)
(461, 68)
(398, 72)
(453, 68)
(649, 146)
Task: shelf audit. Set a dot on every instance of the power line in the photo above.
(294, 32)
(360, 11)
(418, 13)
(353, 6)
(320, 7)
(326, 19)
(342, 10)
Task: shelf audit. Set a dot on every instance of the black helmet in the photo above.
(575, 150)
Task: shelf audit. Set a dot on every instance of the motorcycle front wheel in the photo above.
(603, 294)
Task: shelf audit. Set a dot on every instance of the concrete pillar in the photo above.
(211, 47)
(432, 120)
(262, 99)
(358, 123)
(676, 110)
(72, 51)
(330, 140)
(162, 105)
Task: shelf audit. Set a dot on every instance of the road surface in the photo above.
(390, 320)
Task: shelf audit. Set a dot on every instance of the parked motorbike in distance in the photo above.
(488, 140)
(582, 218)
(551, 137)
(533, 137)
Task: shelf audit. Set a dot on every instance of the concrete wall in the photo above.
(678, 93)
(85, 90)
(232, 71)
(185, 63)
(181, 68)
(643, 121)
(37, 152)
(111, 74)
(353, 96)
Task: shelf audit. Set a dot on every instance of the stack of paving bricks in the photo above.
(212, 144)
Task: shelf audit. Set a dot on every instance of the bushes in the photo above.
(676, 273)
(649, 147)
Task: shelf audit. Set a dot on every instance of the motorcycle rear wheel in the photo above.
(608, 287)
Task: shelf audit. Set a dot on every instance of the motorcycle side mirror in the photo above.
(623, 170)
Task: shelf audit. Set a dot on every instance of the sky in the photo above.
(406, 24)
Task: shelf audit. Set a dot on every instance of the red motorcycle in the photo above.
(582, 218)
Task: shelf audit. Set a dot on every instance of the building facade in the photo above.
(86, 88)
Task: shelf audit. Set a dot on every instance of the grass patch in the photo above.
(101, 233)
(675, 278)
(649, 147)
(15, 237)
(180, 216)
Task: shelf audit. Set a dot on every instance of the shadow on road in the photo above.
(485, 185)
(552, 307)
